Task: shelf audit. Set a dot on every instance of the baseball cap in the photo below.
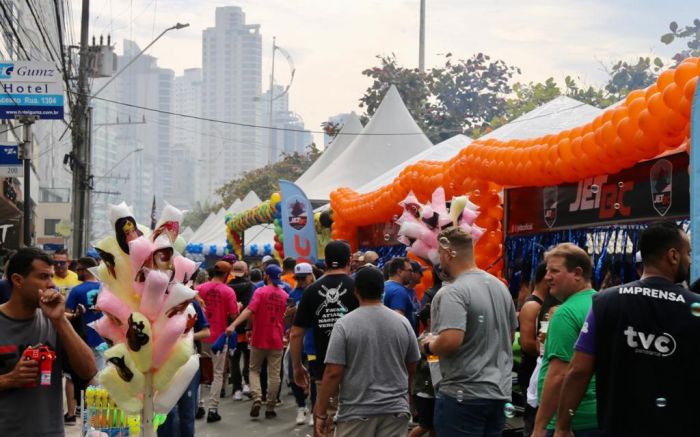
(240, 268)
(337, 254)
(266, 258)
(417, 268)
(273, 272)
(230, 258)
(303, 269)
(222, 267)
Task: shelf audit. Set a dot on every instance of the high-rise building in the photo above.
(339, 120)
(290, 136)
(131, 147)
(231, 86)
(188, 135)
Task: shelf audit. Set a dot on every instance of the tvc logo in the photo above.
(6, 71)
(661, 345)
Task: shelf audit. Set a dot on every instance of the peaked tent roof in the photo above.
(211, 230)
(552, 117)
(251, 200)
(439, 152)
(390, 137)
(345, 137)
(234, 206)
(187, 234)
(200, 230)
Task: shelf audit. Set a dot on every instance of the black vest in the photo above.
(647, 359)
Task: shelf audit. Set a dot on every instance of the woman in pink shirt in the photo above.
(267, 305)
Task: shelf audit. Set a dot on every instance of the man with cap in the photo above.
(372, 371)
(266, 261)
(267, 306)
(219, 303)
(243, 288)
(304, 276)
(323, 303)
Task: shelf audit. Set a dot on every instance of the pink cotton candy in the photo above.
(185, 268)
(166, 338)
(153, 294)
(110, 304)
(140, 251)
(477, 232)
(109, 330)
(469, 216)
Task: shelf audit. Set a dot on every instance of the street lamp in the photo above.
(177, 26)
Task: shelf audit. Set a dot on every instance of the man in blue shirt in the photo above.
(85, 294)
(266, 262)
(396, 295)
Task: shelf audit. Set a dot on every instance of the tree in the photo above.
(195, 217)
(457, 98)
(626, 77)
(265, 181)
(691, 33)
(331, 128)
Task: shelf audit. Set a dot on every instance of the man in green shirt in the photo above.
(569, 271)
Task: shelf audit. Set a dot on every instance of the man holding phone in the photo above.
(35, 317)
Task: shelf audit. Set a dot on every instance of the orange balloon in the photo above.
(685, 72)
(636, 106)
(685, 107)
(656, 105)
(634, 95)
(672, 96)
(665, 79)
(689, 88)
(650, 125)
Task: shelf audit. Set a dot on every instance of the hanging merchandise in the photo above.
(145, 302)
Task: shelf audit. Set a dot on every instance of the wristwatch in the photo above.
(426, 348)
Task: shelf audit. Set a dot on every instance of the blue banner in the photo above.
(9, 155)
(297, 224)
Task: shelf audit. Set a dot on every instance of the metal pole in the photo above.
(87, 197)
(695, 186)
(272, 153)
(79, 135)
(421, 39)
(27, 164)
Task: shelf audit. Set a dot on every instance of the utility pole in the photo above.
(421, 39)
(79, 132)
(26, 156)
(272, 153)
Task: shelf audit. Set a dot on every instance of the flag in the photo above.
(297, 224)
(153, 214)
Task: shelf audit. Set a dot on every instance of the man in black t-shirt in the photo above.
(243, 288)
(641, 340)
(322, 304)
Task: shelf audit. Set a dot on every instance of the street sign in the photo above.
(30, 88)
(10, 164)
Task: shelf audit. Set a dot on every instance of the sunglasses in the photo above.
(61, 263)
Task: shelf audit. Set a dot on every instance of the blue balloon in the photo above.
(254, 250)
(212, 249)
(267, 249)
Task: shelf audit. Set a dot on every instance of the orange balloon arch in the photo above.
(647, 123)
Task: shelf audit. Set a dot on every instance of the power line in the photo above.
(233, 123)
(50, 48)
(14, 32)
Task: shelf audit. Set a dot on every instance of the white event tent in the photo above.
(390, 137)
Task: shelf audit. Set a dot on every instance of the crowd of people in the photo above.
(364, 355)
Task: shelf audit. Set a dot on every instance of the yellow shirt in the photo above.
(64, 285)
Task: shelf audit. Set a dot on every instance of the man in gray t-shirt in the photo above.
(473, 321)
(372, 355)
(30, 396)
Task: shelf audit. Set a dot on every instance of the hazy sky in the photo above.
(332, 41)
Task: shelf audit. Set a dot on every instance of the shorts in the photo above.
(426, 409)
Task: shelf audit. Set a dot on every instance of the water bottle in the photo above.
(460, 396)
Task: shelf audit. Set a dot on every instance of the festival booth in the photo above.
(390, 137)
(648, 123)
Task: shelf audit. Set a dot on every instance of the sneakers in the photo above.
(200, 413)
(301, 416)
(238, 396)
(255, 409)
(213, 416)
(311, 420)
(269, 414)
(69, 420)
(279, 402)
(246, 390)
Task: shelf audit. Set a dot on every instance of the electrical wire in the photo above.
(14, 31)
(233, 123)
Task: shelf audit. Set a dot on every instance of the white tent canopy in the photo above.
(552, 117)
(390, 137)
(202, 228)
(439, 152)
(345, 137)
(187, 234)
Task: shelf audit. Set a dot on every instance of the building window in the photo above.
(50, 227)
